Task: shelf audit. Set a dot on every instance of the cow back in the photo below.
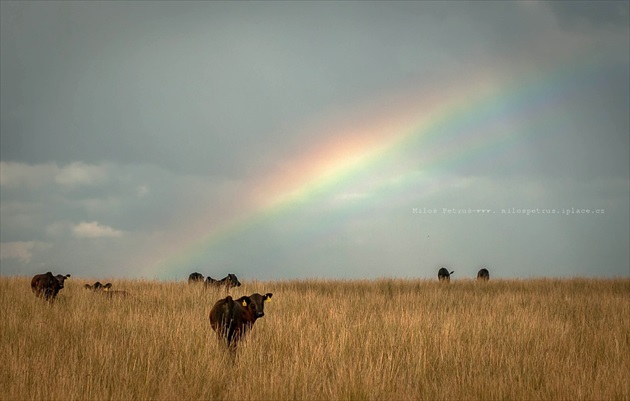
(444, 275)
(483, 274)
(195, 277)
(231, 319)
(40, 282)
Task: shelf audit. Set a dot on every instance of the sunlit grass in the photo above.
(343, 340)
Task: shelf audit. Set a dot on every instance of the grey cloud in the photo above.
(93, 229)
(195, 94)
(591, 14)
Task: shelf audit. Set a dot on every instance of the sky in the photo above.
(298, 140)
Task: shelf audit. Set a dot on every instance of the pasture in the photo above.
(322, 340)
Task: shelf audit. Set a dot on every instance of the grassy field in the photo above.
(322, 340)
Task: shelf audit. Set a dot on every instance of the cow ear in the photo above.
(108, 286)
(267, 297)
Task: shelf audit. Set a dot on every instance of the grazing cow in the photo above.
(232, 319)
(483, 274)
(98, 286)
(444, 275)
(48, 286)
(229, 282)
(195, 278)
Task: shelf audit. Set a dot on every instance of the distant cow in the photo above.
(195, 278)
(98, 286)
(48, 286)
(483, 274)
(229, 282)
(444, 275)
(232, 319)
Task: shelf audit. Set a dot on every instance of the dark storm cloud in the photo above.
(192, 88)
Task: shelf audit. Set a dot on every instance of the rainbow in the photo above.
(395, 151)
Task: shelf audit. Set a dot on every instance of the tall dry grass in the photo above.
(320, 340)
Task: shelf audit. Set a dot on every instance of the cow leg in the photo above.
(231, 340)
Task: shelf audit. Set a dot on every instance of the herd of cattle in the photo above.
(229, 318)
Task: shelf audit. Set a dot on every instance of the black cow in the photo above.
(48, 286)
(229, 282)
(98, 286)
(444, 275)
(195, 278)
(483, 274)
(232, 319)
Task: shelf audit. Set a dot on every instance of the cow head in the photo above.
(98, 286)
(60, 280)
(233, 281)
(255, 303)
(53, 285)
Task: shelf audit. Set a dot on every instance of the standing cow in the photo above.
(231, 319)
(48, 286)
(444, 274)
(483, 274)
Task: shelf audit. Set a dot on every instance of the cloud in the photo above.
(94, 230)
(142, 190)
(57, 228)
(14, 174)
(81, 174)
(20, 250)
(26, 175)
(596, 14)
